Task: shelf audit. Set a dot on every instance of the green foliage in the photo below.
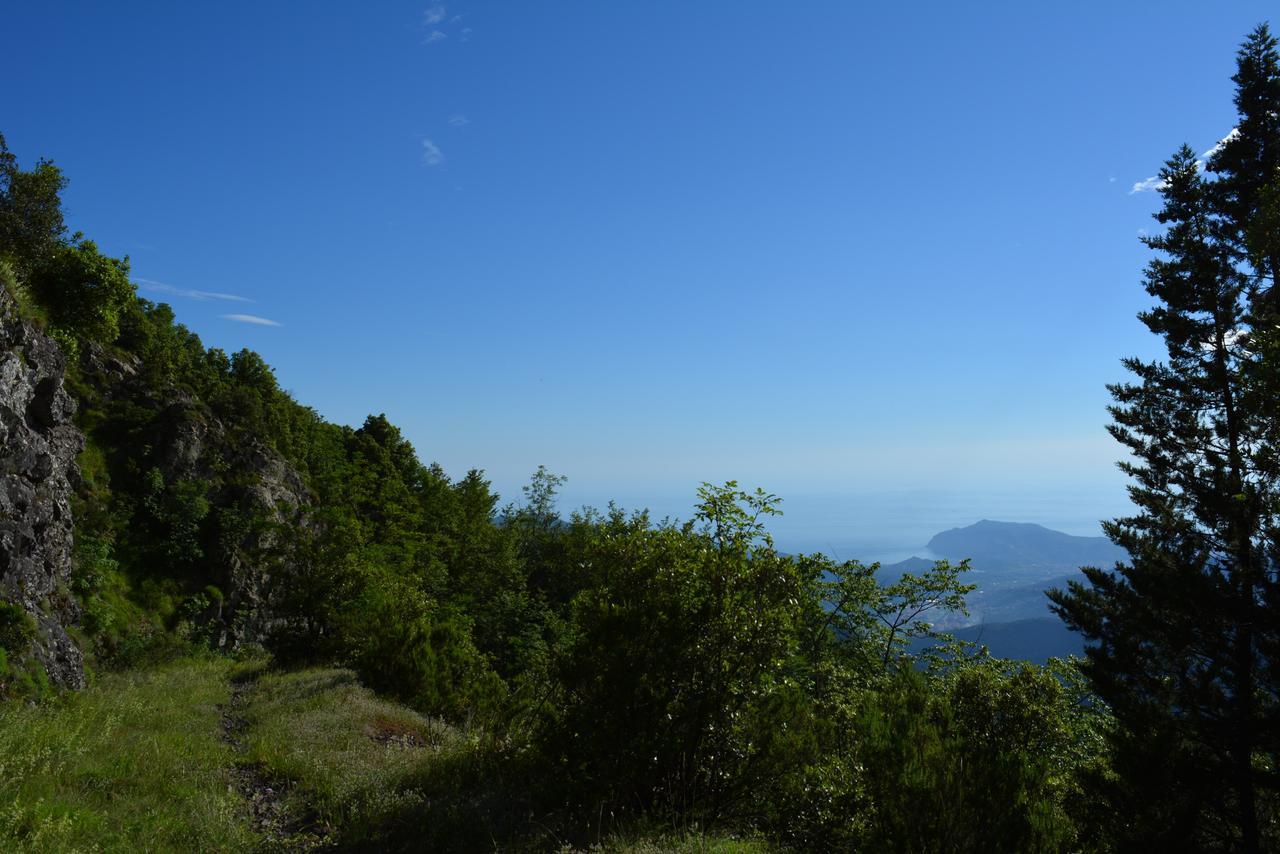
(675, 671)
(958, 772)
(17, 629)
(83, 290)
(121, 625)
(877, 623)
(31, 223)
(10, 285)
(21, 677)
(366, 589)
(174, 514)
(402, 644)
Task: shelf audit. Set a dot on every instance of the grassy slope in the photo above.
(133, 763)
(364, 764)
(390, 778)
(138, 762)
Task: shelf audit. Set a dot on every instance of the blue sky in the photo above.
(820, 247)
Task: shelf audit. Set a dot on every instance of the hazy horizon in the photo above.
(889, 525)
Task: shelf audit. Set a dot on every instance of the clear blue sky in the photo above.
(819, 247)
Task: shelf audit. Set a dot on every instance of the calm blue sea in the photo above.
(892, 526)
(889, 526)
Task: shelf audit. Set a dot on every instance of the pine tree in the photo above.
(1248, 159)
(1183, 638)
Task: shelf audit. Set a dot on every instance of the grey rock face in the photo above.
(38, 449)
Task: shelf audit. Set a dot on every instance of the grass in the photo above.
(388, 778)
(687, 843)
(383, 775)
(133, 763)
(138, 763)
(353, 758)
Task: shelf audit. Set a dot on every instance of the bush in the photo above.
(675, 676)
(405, 647)
(982, 759)
(83, 290)
(17, 629)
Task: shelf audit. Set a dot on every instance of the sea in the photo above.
(891, 525)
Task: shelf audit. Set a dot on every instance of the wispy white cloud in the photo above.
(1218, 146)
(431, 153)
(459, 120)
(251, 318)
(440, 25)
(189, 293)
(1156, 183)
(1146, 185)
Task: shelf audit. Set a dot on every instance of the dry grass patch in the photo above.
(344, 750)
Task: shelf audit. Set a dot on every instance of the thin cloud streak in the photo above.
(251, 318)
(189, 293)
(1218, 146)
(433, 15)
(1155, 182)
(431, 153)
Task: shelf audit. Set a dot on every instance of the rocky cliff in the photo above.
(38, 449)
(250, 491)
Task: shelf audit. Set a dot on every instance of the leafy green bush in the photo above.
(985, 758)
(17, 629)
(403, 645)
(675, 683)
(175, 513)
(21, 676)
(83, 290)
(31, 221)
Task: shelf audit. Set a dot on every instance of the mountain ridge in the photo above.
(1014, 564)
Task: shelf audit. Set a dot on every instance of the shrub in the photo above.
(17, 629)
(83, 290)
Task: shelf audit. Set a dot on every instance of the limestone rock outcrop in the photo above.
(38, 449)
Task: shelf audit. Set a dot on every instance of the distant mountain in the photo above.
(1013, 564)
(890, 573)
(1020, 545)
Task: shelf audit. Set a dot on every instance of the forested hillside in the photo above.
(169, 509)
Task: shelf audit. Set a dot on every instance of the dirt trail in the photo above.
(270, 813)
